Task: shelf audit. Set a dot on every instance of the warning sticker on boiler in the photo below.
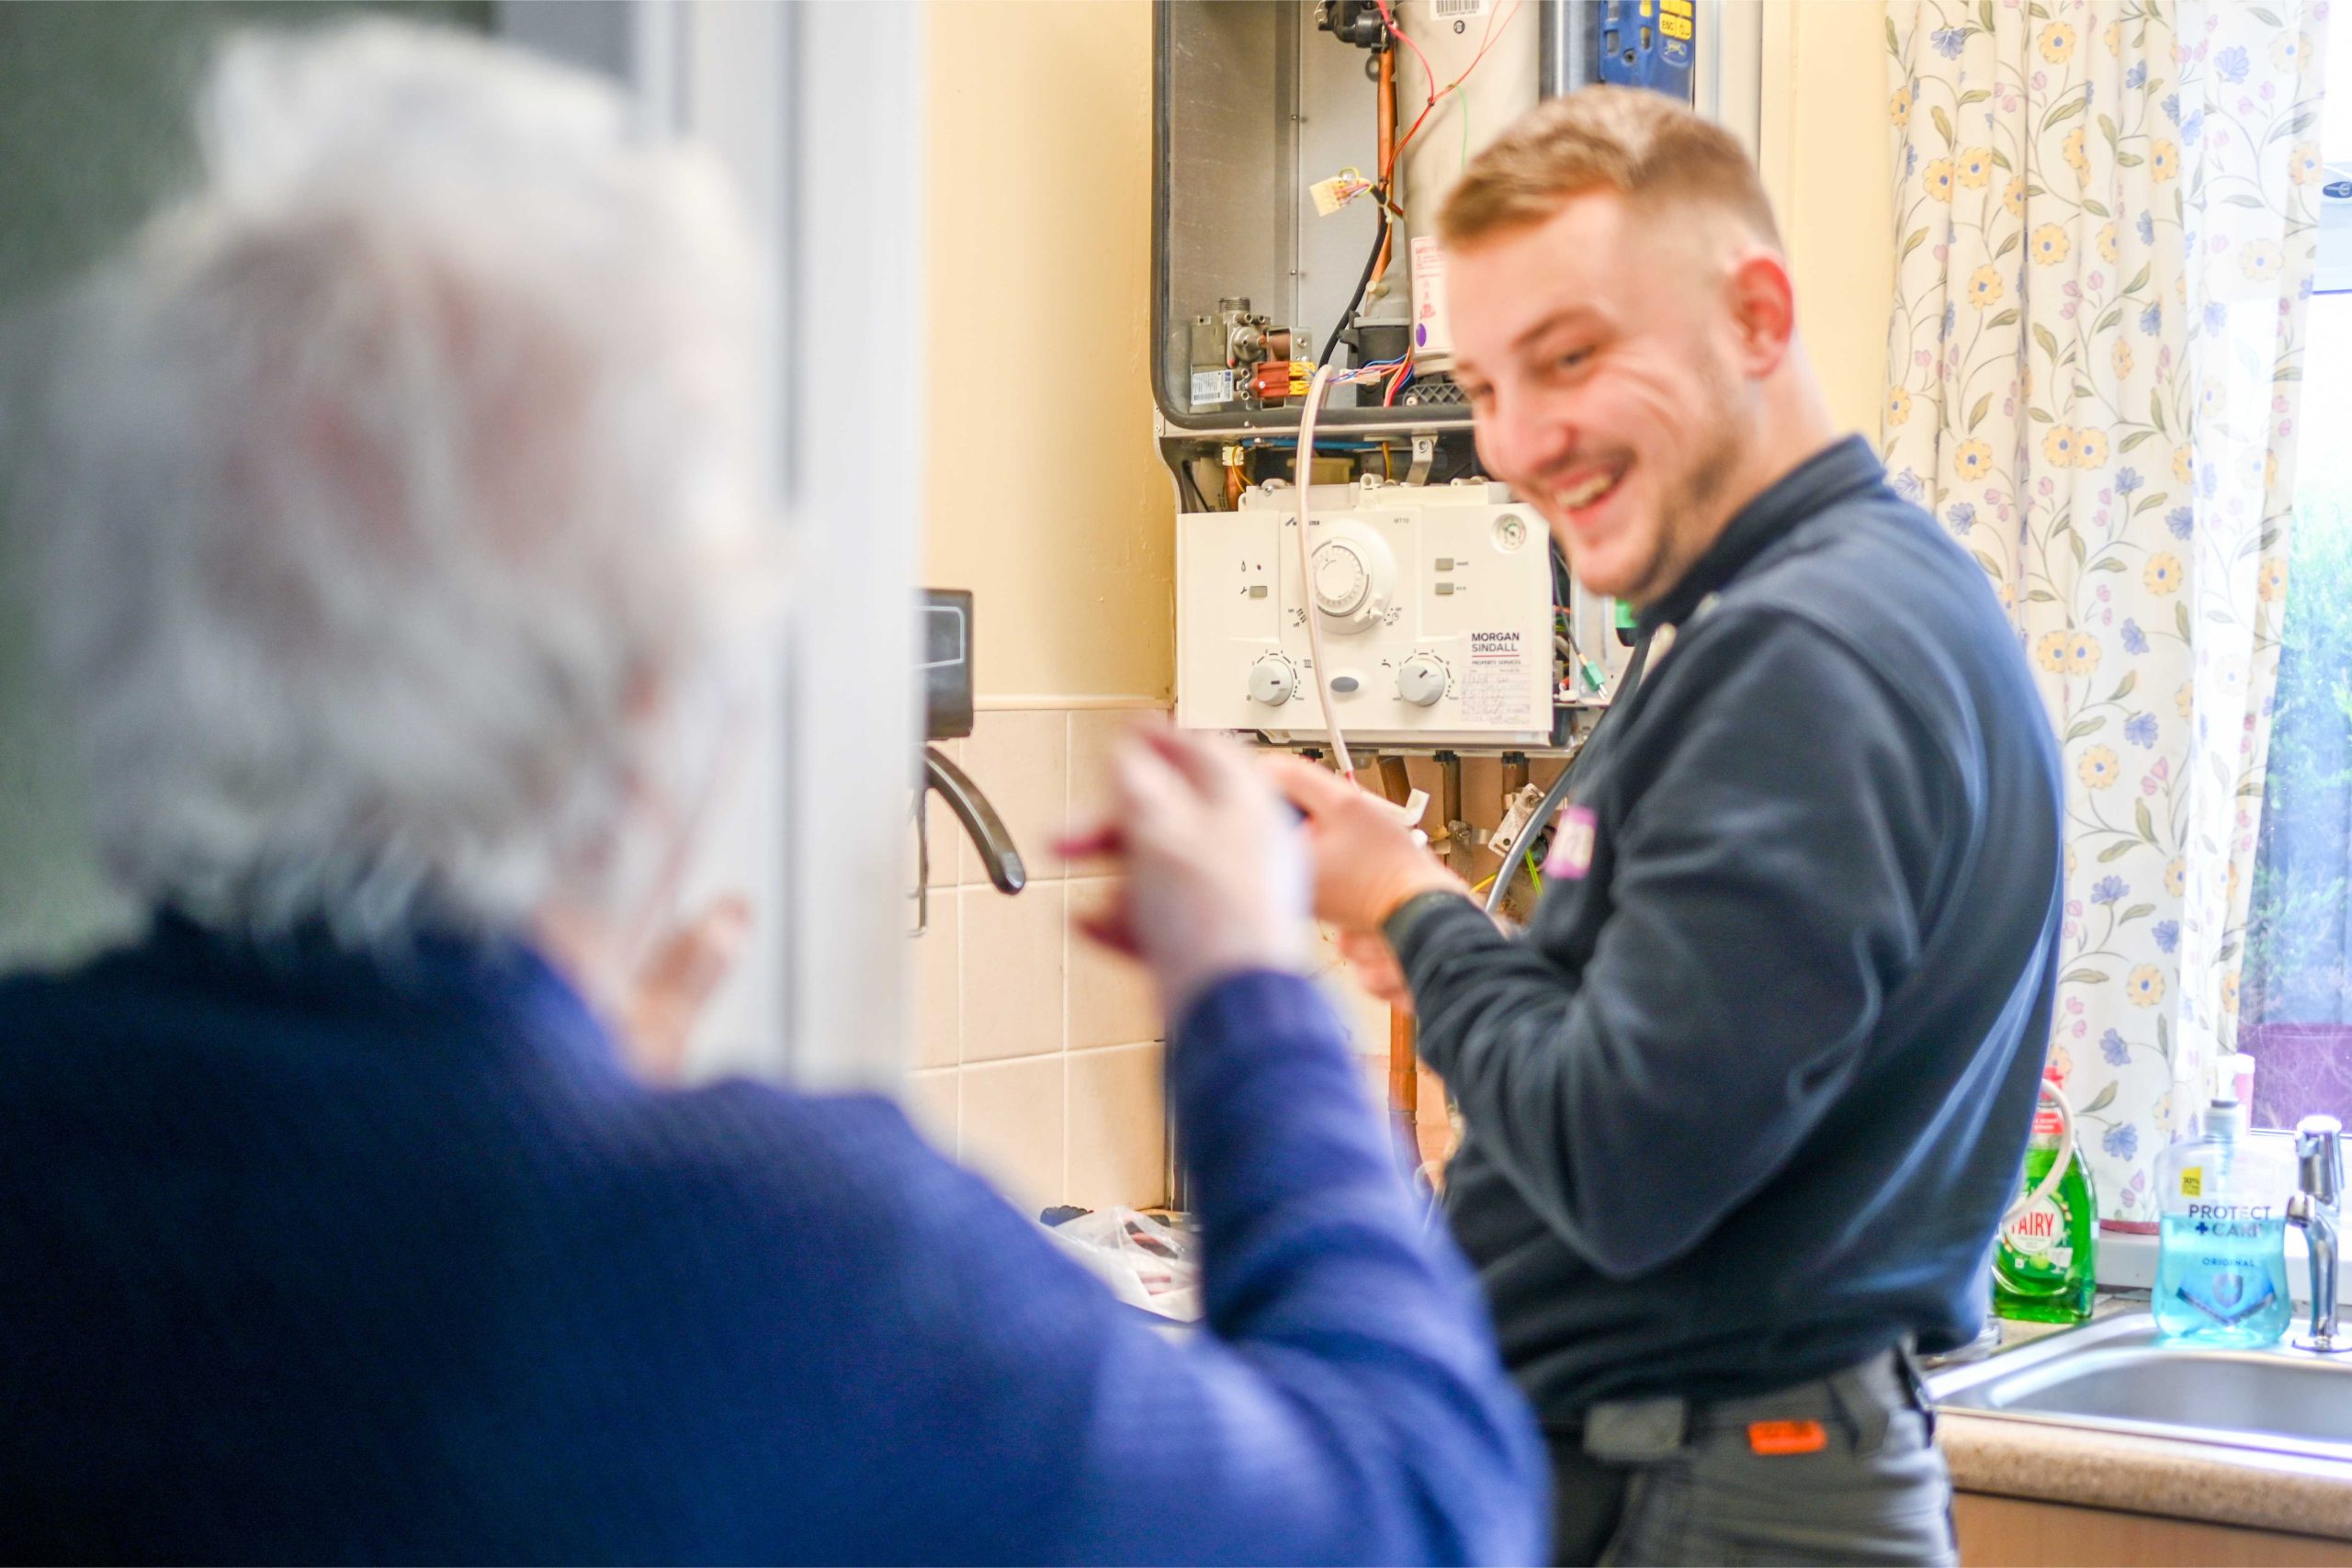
(1495, 685)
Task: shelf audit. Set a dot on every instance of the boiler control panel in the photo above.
(1436, 605)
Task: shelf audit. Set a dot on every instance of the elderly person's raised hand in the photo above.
(1217, 876)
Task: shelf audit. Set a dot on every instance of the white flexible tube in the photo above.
(1303, 480)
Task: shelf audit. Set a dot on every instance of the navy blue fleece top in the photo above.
(307, 1256)
(1743, 1105)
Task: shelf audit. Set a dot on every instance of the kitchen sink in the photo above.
(2116, 1374)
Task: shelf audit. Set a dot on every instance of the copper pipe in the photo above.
(1387, 153)
(1404, 1073)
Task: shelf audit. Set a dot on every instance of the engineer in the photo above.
(385, 488)
(1743, 1105)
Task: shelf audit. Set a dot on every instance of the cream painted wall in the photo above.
(1827, 162)
(1046, 496)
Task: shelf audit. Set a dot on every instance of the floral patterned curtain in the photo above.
(2105, 228)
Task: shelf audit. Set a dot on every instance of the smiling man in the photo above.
(1744, 1104)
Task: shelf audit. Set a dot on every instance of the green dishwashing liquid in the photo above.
(2043, 1264)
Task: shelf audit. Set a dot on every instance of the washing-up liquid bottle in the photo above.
(2043, 1264)
(2222, 1259)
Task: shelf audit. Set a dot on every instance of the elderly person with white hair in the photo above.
(386, 490)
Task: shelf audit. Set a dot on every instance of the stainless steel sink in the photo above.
(2117, 1375)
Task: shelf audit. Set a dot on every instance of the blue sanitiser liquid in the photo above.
(2221, 1254)
(2221, 1279)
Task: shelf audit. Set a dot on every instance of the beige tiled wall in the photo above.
(1038, 1055)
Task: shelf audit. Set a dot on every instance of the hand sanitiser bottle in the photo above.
(2042, 1265)
(2222, 1259)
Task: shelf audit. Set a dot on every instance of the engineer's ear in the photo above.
(1764, 309)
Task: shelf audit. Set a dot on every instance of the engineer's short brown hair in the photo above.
(1642, 144)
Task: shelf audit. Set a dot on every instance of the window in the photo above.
(2296, 991)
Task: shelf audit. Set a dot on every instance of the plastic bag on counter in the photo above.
(1150, 1261)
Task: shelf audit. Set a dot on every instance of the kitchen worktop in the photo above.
(2133, 1475)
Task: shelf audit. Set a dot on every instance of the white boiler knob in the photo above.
(1272, 680)
(1421, 680)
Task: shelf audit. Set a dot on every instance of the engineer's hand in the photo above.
(1367, 860)
(1217, 878)
(1374, 963)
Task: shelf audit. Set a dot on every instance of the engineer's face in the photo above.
(1598, 353)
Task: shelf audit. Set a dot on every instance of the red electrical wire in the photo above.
(1404, 373)
(1428, 75)
(1486, 41)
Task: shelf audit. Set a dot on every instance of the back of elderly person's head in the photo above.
(383, 485)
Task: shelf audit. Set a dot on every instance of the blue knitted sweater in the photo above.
(306, 1255)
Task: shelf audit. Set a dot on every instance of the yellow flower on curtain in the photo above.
(2093, 148)
(1898, 108)
(1935, 179)
(2072, 150)
(1898, 405)
(2229, 991)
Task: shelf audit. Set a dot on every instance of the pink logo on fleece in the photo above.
(1572, 842)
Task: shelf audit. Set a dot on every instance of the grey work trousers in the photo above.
(1662, 1482)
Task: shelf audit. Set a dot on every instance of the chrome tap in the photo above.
(2319, 1151)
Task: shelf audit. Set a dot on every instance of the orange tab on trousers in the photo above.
(1787, 1437)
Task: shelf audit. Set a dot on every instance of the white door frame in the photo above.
(817, 109)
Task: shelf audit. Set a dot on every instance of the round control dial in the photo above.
(1353, 574)
(1341, 580)
(1273, 679)
(1421, 680)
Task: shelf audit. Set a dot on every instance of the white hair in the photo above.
(385, 482)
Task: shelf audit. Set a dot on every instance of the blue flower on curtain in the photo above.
(2071, 302)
